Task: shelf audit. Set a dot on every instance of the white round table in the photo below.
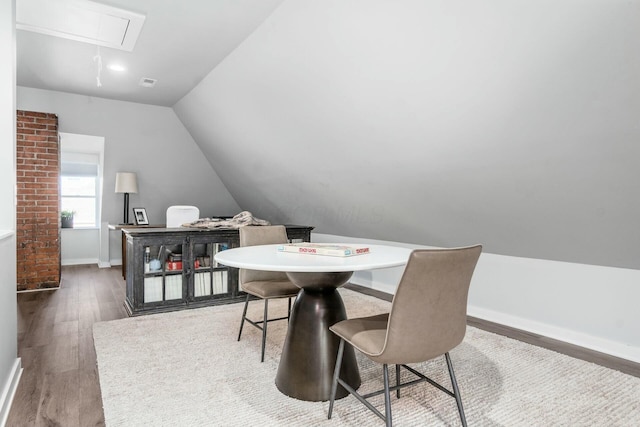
(267, 257)
(309, 353)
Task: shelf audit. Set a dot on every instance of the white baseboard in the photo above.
(9, 391)
(590, 306)
(612, 348)
(79, 261)
(38, 290)
(601, 345)
(115, 261)
(84, 261)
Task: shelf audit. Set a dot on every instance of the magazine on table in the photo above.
(324, 249)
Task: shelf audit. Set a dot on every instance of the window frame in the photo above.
(74, 147)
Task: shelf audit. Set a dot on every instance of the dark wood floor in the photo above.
(59, 384)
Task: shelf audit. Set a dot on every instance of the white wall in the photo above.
(590, 306)
(10, 366)
(145, 139)
(79, 246)
(447, 123)
(511, 123)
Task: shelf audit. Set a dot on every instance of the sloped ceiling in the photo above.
(180, 42)
(512, 124)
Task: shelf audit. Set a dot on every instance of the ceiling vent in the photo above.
(81, 20)
(147, 82)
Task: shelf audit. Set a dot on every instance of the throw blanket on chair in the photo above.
(240, 220)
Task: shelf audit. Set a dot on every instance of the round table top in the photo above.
(268, 258)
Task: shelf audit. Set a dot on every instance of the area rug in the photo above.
(186, 368)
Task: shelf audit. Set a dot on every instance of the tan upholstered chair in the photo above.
(265, 285)
(428, 318)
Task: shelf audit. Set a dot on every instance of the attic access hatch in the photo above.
(81, 20)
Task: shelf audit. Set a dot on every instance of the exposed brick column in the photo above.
(38, 200)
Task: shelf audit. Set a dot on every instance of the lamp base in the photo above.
(126, 209)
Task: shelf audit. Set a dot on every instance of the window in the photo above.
(79, 189)
(81, 178)
(79, 196)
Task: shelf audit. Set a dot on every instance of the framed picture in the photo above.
(140, 215)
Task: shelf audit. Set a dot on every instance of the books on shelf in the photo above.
(173, 287)
(173, 265)
(220, 282)
(152, 289)
(203, 261)
(203, 285)
(324, 249)
(218, 247)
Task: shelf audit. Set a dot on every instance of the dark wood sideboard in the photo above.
(120, 228)
(179, 271)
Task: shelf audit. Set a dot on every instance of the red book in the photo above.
(173, 265)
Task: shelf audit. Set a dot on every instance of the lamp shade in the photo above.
(126, 182)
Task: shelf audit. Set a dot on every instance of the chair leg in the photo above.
(244, 315)
(264, 327)
(288, 309)
(456, 391)
(398, 381)
(387, 397)
(336, 374)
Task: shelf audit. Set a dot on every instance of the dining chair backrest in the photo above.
(178, 215)
(252, 235)
(429, 310)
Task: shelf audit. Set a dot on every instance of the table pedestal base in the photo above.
(310, 349)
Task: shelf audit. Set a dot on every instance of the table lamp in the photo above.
(126, 182)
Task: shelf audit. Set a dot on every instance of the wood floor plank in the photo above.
(26, 401)
(59, 401)
(91, 413)
(89, 383)
(62, 355)
(59, 384)
(40, 329)
(88, 311)
(65, 328)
